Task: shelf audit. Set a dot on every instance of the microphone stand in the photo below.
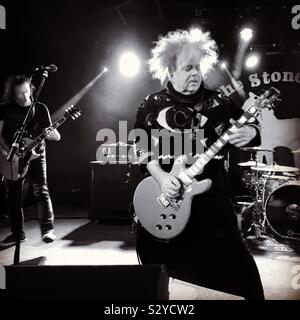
(15, 147)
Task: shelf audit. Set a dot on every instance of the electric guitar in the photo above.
(166, 218)
(29, 149)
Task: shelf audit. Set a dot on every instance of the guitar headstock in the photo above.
(267, 100)
(73, 111)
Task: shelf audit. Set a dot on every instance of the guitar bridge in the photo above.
(163, 201)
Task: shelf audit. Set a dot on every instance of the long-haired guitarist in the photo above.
(16, 100)
(209, 251)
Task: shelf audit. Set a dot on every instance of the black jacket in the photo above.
(170, 111)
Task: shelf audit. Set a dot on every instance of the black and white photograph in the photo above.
(149, 151)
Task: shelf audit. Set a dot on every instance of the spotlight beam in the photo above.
(239, 57)
(241, 92)
(78, 96)
(246, 35)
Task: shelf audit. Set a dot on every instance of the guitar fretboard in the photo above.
(213, 150)
(43, 135)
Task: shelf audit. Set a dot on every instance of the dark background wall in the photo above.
(81, 37)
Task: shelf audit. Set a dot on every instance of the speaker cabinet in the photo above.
(112, 189)
(148, 282)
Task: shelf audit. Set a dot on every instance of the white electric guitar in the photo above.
(166, 218)
(29, 149)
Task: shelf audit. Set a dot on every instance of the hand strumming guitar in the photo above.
(169, 184)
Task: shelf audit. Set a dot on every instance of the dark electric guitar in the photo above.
(166, 218)
(29, 149)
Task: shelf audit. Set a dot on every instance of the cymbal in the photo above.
(256, 149)
(117, 144)
(251, 164)
(275, 168)
(276, 177)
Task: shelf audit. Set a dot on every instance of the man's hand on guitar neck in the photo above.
(242, 136)
(52, 134)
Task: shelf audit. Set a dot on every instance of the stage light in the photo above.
(223, 65)
(246, 34)
(196, 34)
(105, 69)
(252, 60)
(129, 64)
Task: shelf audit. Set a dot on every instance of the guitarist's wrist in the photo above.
(156, 171)
(160, 178)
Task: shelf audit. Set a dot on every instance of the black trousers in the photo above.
(3, 201)
(37, 174)
(209, 252)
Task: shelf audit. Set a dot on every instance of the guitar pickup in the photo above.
(163, 201)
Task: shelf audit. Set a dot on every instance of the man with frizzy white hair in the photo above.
(193, 42)
(209, 251)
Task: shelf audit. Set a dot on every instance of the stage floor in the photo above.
(82, 242)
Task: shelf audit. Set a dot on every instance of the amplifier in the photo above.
(112, 189)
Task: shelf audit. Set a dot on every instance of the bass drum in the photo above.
(282, 211)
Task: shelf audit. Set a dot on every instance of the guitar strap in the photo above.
(196, 123)
(196, 119)
(31, 116)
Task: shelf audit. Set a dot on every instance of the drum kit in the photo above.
(275, 197)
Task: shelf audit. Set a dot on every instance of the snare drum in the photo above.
(282, 209)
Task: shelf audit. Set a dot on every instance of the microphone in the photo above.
(51, 68)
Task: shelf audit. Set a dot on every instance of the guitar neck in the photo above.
(43, 135)
(214, 149)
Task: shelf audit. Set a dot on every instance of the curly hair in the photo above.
(10, 84)
(167, 48)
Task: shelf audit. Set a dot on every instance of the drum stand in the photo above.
(257, 228)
